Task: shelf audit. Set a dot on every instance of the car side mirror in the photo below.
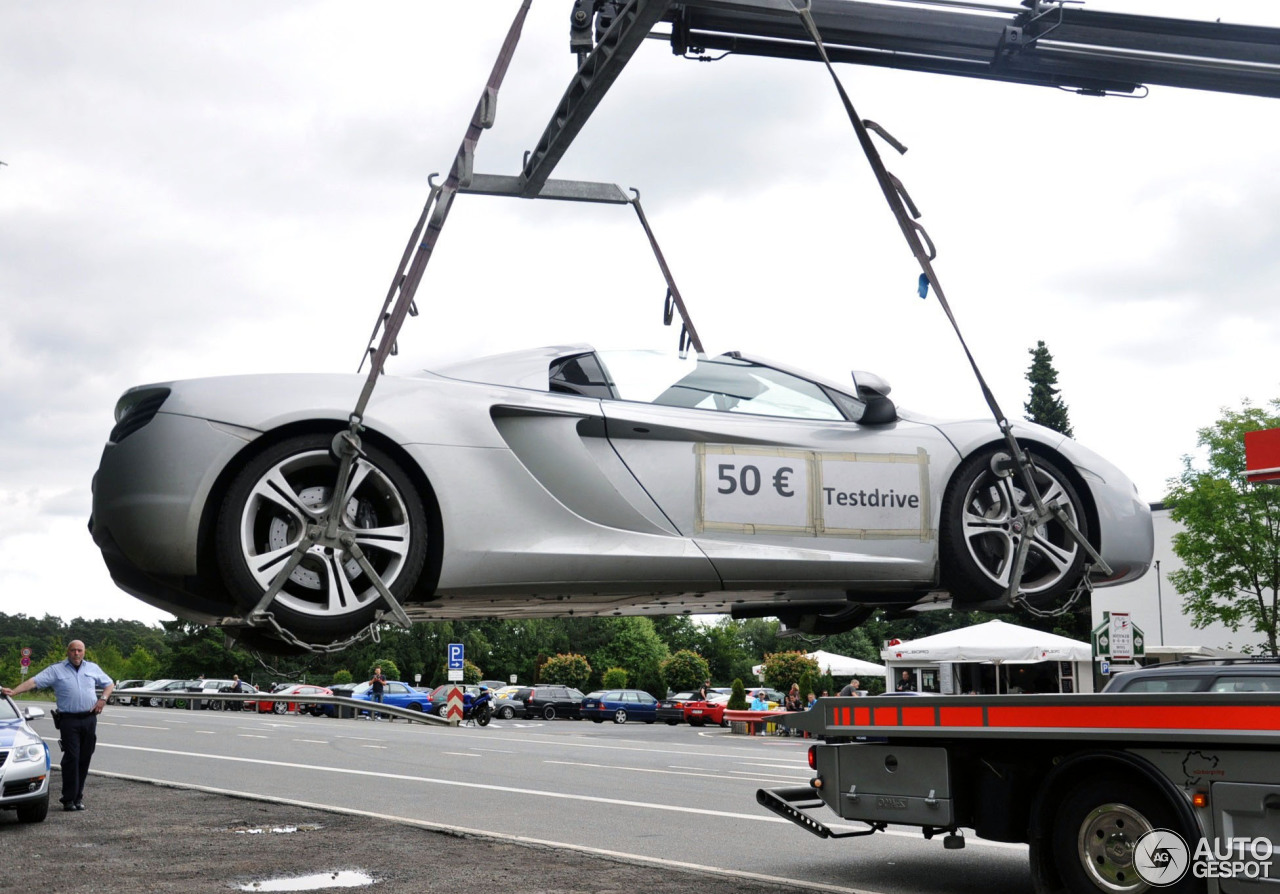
(873, 391)
(32, 713)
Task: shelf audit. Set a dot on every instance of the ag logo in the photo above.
(1161, 858)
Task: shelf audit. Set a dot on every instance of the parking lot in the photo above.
(670, 800)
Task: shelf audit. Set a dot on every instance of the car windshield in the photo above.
(725, 384)
(7, 710)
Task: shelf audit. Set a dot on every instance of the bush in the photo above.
(341, 676)
(390, 669)
(567, 670)
(738, 698)
(615, 678)
(685, 670)
(781, 669)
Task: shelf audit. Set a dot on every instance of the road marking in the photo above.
(706, 774)
(314, 741)
(563, 796)
(462, 753)
(250, 736)
(380, 747)
(140, 726)
(641, 859)
(205, 732)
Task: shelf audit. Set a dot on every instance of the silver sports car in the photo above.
(565, 480)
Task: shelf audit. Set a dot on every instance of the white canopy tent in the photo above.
(838, 665)
(994, 642)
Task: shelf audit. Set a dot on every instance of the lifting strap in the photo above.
(899, 203)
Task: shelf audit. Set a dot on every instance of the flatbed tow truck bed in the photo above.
(1102, 787)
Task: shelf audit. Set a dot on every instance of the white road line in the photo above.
(429, 780)
(140, 726)
(706, 774)
(205, 732)
(250, 736)
(314, 741)
(462, 753)
(640, 859)
(380, 747)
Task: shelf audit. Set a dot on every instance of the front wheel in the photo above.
(985, 517)
(280, 707)
(1098, 844)
(34, 811)
(286, 490)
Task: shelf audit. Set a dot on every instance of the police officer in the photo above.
(75, 684)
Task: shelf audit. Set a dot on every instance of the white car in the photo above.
(24, 763)
(569, 481)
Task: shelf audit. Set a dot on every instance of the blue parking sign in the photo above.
(455, 656)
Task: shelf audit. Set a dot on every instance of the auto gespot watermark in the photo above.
(1161, 858)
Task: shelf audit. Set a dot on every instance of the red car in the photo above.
(686, 707)
(294, 707)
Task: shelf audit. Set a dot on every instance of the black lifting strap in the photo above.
(917, 239)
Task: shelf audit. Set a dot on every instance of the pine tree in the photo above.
(1045, 406)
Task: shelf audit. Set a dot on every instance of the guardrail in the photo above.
(197, 700)
(757, 723)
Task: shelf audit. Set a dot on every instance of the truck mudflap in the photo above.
(790, 803)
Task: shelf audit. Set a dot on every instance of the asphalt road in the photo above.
(660, 795)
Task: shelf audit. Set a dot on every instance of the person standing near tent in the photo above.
(905, 683)
(851, 689)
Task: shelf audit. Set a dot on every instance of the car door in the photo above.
(764, 470)
(646, 706)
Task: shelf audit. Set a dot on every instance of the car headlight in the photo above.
(30, 752)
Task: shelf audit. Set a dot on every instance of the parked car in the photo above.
(396, 694)
(164, 693)
(619, 705)
(291, 707)
(200, 480)
(493, 685)
(24, 772)
(440, 698)
(342, 689)
(1254, 674)
(689, 707)
(120, 699)
(505, 706)
(219, 685)
(550, 701)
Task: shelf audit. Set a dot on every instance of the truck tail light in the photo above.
(813, 757)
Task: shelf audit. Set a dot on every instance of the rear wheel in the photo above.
(280, 707)
(984, 519)
(288, 487)
(1096, 839)
(549, 712)
(620, 715)
(506, 712)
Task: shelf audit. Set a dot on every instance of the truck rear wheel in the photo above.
(1096, 833)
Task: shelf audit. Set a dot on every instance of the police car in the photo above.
(24, 763)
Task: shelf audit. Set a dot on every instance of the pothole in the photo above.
(345, 878)
(272, 830)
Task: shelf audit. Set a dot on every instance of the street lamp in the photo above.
(1159, 602)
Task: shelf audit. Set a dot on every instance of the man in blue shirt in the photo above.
(75, 684)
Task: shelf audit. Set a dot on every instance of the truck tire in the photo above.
(1096, 828)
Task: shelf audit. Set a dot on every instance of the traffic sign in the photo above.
(26, 660)
(1104, 667)
(26, 653)
(455, 656)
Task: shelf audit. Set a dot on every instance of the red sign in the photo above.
(1262, 455)
(26, 662)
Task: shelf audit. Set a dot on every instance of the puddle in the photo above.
(346, 878)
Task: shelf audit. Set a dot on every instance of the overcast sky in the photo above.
(201, 189)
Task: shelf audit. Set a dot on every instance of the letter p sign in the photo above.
(455, 656)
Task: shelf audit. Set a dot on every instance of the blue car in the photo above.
(396, 694)
(620, 705)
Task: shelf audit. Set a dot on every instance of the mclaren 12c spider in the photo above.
(569, 481)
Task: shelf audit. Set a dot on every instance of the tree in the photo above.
(1045, 406)
(685, 670)
(567, 670)
(614, 678)
(341, 676)
(390, 669)
(781, 669)
(738, 697)
(1230, 541)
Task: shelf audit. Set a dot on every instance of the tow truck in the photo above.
(1113, 793)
